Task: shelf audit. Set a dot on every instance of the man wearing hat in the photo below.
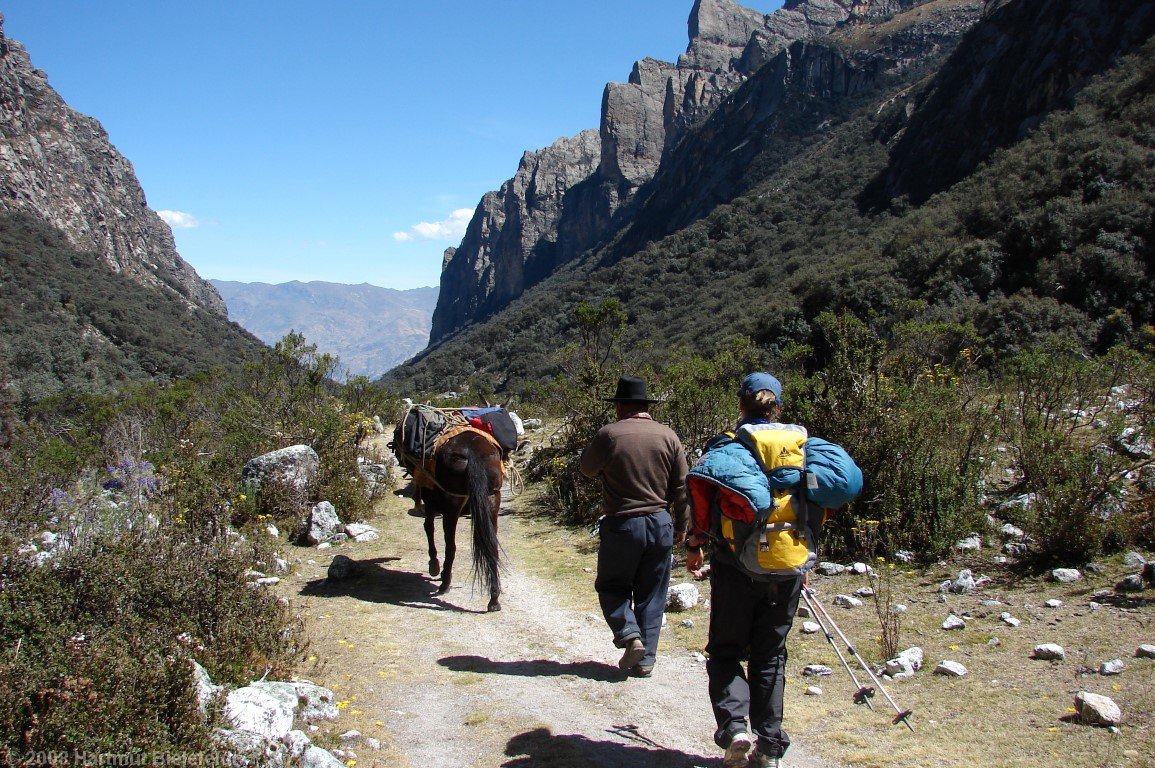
(643, 468)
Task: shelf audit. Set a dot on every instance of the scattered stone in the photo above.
(686, 624)
(864, 592)
(950, 669)
(1134, 560)
(362, 533)
(898, 608)
(1101, 595)
(1015, 548)
(1012, 532)
(342, 567)
(1145, 651)
(846, 601)
(273, 531)
(203, 687)
(682, 597)
(803, 612)
(1048, 652)
(1094, 709)
(953, 622)
(1000, 560)
(697, 656)
(971, 543)
(1113, 667)
(245, 748)
(269, 581)
(1096, 568)
(913, 656)
(860, 569)
(296, 742)
(1009, 620)
(830, 569)
(994, 642)
(532, 423)
(1131, 583)
(810, 628)
(817, 670)
(904, 556)
(323, 525)
(372, 743)
(350, 737)
(964, 584)
(1134, 444)
(1066, 575)
(992, 603)
(315, 757)
(1149, 573)
(1053, 603)
(942, 598)
(813, 690)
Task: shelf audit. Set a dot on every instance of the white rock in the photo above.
(273, 531)
(247, 748)
(372, 743)
(964, 584)
(971, 543)
(1009, 620)
(686, 623)
(860, 568)
(203, 686)
(296, 742)
(269, 581)
(1012, 532)
(1134, 560)
(813, 690)
(1066, 575)
(950, 669)
(904, 556)
(315, 757)
(817, 670)
(898, 608)
(830, 569)
(1113, 667)
(1145, 651)
(846, 601)
(323, 525)
(810, 627)
(864, 592)
(697, 656)
(362, 533)
(913, 656)
(350, 737)
(259, 711)
(1048, 652)
(953, 622)
(682, 597)
(1094, 709)
(317, 702)
(1053, 603)
(48, 539)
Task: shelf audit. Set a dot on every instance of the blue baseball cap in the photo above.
(756, 382)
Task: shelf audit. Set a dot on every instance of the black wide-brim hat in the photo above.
(631, 389)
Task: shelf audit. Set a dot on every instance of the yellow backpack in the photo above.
(784, 543)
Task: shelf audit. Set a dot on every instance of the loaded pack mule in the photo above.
(458, 469)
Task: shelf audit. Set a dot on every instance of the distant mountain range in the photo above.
(371, 329)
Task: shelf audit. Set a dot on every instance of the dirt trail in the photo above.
(442, 683)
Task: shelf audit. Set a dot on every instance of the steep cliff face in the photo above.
(58, 166)
(1000, 85)
(642, 121)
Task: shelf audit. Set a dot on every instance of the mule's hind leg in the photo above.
(449, 528)
(434, 566)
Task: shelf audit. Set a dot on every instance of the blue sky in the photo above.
(346, 141)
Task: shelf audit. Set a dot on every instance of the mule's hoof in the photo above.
(434, 568)
(443, 589)
(494, 606)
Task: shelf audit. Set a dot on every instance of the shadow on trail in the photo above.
(589, 670)
(373, 583)
(539, 747)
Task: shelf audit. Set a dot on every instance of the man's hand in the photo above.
(694, 560)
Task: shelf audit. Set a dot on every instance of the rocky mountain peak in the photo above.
(60, 167)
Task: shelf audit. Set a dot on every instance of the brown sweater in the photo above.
(642, 467)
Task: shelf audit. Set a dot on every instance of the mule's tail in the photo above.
(486, 549)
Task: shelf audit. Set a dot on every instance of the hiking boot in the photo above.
(634, 653)
(736, 753)
(642, 670)
(759, 760)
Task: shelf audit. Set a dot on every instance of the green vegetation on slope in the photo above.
(68, 323)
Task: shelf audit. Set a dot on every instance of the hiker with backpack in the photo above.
(642, 468)
(757, 497)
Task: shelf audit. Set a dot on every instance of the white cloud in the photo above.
(452, 228)
(178, 219)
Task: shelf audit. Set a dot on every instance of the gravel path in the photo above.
(442, 683)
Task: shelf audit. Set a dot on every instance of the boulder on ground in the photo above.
(323, 525)
(1048, 652)
(293, 469)
(1094, 709)
(682, 597)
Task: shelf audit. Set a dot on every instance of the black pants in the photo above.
(749, 618)
(634, 576)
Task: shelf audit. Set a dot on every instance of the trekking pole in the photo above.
(864, 693)
(903, 715)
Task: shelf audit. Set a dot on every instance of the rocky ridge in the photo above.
(60, 167)
(569, 197)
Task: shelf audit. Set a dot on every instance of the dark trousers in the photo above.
(634, 576)
(749, 619)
